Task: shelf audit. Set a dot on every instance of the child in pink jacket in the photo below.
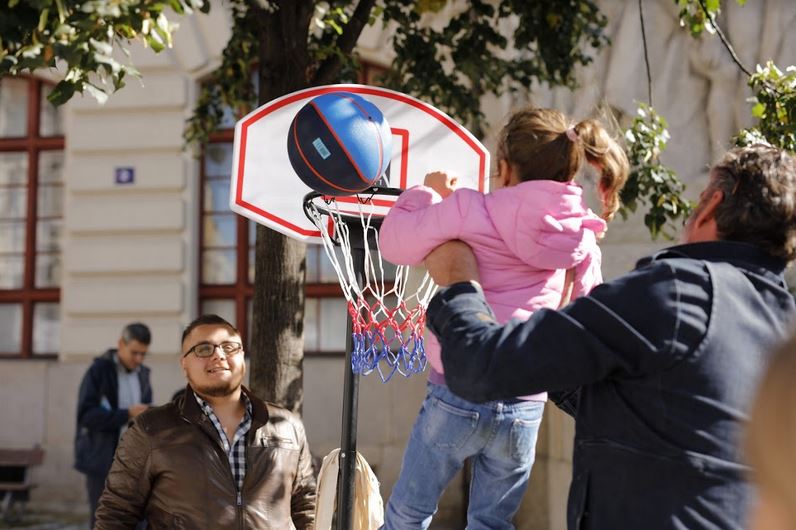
(526, 235)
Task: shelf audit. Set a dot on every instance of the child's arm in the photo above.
(420, 221)
(588, 273)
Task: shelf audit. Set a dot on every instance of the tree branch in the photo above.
(329, 69)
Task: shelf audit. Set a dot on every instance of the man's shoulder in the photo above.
(158, 418)
(103, 363)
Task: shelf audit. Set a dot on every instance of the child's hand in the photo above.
(441, 182)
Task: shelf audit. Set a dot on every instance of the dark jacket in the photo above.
(171, 469)
(99, 418)
(666, 359)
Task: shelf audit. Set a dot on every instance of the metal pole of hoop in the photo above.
(348, 436)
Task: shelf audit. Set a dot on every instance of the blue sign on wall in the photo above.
(124, 175)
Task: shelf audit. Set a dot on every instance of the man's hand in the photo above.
(452, 262)
(135, 410)
(441, 182)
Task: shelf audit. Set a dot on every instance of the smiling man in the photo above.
(217, 457)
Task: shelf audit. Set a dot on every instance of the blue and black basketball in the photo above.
(339, 143)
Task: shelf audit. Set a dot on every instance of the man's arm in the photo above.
(302, 498)
(127, 488)
(627, 327)
(91, 412)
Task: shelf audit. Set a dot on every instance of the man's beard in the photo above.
(220, 389)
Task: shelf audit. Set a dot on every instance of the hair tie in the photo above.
(571, 134)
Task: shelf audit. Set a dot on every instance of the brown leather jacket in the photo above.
(171, 469)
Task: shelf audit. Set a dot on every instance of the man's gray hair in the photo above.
(759, 206)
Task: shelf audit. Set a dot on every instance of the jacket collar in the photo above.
(742, 255)
(191, 410)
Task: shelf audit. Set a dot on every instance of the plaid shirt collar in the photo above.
(236, 449)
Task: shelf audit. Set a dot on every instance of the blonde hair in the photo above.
(542, 145)
(771, 432)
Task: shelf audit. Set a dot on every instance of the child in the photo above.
(771, 443)
(525, 235)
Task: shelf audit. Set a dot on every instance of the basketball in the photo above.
(339, 143)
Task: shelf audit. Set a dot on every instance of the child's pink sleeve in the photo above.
(588, 273)
(420, 221)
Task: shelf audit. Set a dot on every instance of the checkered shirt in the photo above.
(236, 451)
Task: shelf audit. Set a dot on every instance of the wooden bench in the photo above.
(15, 479)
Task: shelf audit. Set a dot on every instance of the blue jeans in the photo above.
(500, 437)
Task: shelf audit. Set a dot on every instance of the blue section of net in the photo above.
(373, 351)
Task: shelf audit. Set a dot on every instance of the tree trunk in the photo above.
(277, 373)
(277, 346)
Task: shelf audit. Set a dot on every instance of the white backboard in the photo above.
(266, 189)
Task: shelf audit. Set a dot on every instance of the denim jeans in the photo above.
(500, 437)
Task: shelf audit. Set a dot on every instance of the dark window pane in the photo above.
(13, 107)
(50, 201)
(13, 203)
(12, 270)
(325, 324)
(220, 230)
(311, 325)
(51, 167)
(10, 328)
(12, 237)
(223, 308)
(51, 123)
(319, 267)
(252, 233)
(216, 196)
(251, 266)
(46, 328)
(218, 160)
(48, 270)
(333, 328)
(249, 312)
(13, 168)
(48, 235)
(218, 267)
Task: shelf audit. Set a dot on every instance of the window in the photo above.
(31, 219)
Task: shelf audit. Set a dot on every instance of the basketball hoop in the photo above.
(387, 316)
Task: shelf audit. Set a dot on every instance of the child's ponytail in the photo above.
(608, 157)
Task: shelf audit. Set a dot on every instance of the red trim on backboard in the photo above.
(404, 134)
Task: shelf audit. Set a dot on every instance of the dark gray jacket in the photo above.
(99, 418)
(666, 360)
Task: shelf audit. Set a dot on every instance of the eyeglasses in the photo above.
(206, 349)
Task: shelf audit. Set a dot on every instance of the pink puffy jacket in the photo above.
(524, 238)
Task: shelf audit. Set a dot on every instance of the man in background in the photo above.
(114, 390)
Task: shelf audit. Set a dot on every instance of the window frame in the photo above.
(29, 295)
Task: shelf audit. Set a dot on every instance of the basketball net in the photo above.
(387, 316)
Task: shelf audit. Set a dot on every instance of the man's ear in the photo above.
(707, 212)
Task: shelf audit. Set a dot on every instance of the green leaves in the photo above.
(651, 183)
(473, 54)
(231, 85)
(692, 14)
(774, 107)
(83, 37)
